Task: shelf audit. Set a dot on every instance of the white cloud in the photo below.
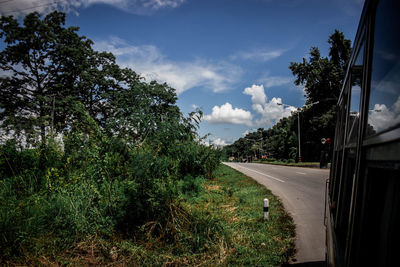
(195, 106)
(271, 111)
(227, 114)
(23, 7)
(382, 117)
(273, 81)
(219, 142)
(157, 4)
(257, 94)
(153, 65)
(259, 55)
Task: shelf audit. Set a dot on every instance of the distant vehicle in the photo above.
(363, 200)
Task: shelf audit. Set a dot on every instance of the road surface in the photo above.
(302, 191)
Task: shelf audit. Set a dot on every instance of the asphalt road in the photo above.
(302, 191)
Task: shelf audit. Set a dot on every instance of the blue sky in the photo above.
(230, 58)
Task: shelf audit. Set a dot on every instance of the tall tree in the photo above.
(39, 65)
(322, 78)
(50, 73)
(134, 109)
(340, 50)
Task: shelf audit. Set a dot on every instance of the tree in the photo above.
(98, 82)
(322, 78)
(40, 64)
(134, 110)
(49, 71)
(339, 51)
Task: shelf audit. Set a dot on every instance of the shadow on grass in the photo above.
(307, 264)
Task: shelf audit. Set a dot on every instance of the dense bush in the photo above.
(101, 188)
(198, 160)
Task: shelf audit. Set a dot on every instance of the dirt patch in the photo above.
(213, 188)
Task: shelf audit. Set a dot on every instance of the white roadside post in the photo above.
(266, 207)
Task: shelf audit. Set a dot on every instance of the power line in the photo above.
(24, 9)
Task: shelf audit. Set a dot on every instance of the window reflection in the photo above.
(384, 105)
(355, 98)
(342, 113)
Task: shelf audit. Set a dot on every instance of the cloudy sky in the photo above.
(229, 58)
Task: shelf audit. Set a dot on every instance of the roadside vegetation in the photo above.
(100, 167)
(89, 151)
(290, 162)
(211, 222)
(322, 79)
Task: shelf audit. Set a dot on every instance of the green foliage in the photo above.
(199, 160)
(14, 162)
(223, 226)
(322, 78)
(280, 141)
(43, 60)
(191, 187)
(97, 186)
(97, 150)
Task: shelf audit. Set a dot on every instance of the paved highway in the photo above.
(302, 191)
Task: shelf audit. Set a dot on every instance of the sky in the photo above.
(229, 58)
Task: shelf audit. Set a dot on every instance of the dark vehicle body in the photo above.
(363, 200)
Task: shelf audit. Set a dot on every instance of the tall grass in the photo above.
(103, 203)
(53, 198)
(209, 222)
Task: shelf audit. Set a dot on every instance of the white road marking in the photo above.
(301, 173)
(269, 176)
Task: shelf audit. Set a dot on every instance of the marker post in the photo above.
(266, 207)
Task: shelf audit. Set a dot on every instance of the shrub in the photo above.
(191, 186)
(196, 159)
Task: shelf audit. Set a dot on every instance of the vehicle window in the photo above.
(355, 97)
(384, 104)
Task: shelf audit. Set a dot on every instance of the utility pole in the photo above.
(298, 129)
(298, 120)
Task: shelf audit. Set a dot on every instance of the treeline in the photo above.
(322, 79)
(87, 148)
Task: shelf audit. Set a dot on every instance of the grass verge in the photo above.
(238, 201)
(294, 164)
(221, 226)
